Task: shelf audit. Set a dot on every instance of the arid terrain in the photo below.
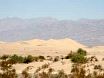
(53, 48)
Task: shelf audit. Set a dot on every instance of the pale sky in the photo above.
(61, 9)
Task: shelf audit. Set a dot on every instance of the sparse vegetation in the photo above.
(4, 57)
(20, 59)
(77, 57)
(99, 67)
(81, 52)
(25, 73)
(92, 59)
(29, 59)
(56, 59)
(78, 69)
(70, 55)
(41, 58)
(7, 70)
(16, 59)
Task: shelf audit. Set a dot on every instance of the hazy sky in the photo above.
(61, 9)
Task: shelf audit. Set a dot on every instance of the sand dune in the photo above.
(40, 47)
(46, 47)
(50, 47)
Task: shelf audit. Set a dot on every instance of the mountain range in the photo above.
(86, 31)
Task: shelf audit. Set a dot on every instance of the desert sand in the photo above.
(40, 47)
(52, 47)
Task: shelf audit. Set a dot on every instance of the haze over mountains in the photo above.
(86, 31)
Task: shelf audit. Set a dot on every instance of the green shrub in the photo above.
(28, 59)
(16, 59)
(82, 52)
(78, 58)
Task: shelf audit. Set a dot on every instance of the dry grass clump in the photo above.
(98, 67)
(49, 74)
(7, 70)
(41, 58)
(4, 57)
(49, 58)
(25, 73)
(92, 59)
(78, 71)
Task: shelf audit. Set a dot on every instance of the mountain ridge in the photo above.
(86, 31)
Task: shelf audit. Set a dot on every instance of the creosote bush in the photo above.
(81, 52)
(77, 57)
(20, 59)
(28, 59)
(16, 59)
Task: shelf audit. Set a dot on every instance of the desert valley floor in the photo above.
(52, 47)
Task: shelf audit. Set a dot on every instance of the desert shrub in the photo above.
(50, 70)
(41, 58)
(38, 69)
(82, 52)
(49, 58)
(61, 74)
(4, 57)
(28, 59)
(43, 75)
(61, 57)
(35, 58)
(7, 70)
(98, 67)
(92, 59)
(69, 55)
(78, 71)
(44, 66)
(77, 58)
(16, 59)
(97, 75)
(25, 74)
(56, 59)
